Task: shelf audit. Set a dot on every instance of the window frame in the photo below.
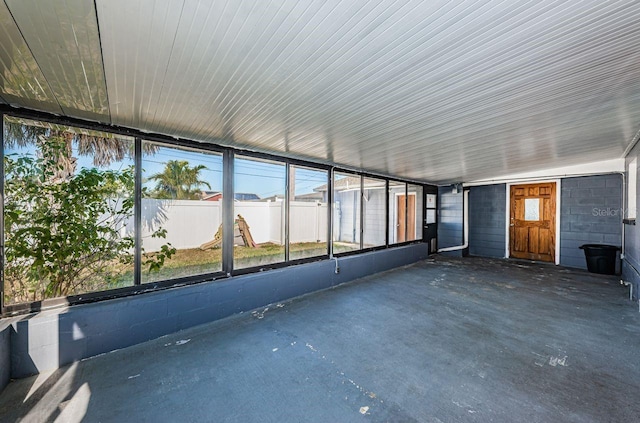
(228, 154)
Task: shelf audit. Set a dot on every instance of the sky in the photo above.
(264, 178)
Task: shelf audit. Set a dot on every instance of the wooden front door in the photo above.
(406, 227)
(532, 225)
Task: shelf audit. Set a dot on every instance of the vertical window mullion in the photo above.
(386, 220)
(361, 212)
(137, 212)
(406, 211)
(330, 207)
(423, 220)
(228, 195)
(287, 198)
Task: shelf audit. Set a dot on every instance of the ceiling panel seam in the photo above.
(166, 70)
(390, 87)
(55, 98)
(218, 91)
(251, 77)
(375, 62)
(302, 65)
(382, 92)
(95, 9)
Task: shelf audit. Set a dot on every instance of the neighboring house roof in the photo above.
(215, 196)
(352, 182)
(244, 196)
(239, 196)
(276, 197)
(312, 196)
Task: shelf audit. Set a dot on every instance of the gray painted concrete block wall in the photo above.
(53, 338)
(631, 261)
(5, 354)
(450, 213)
(590, 212)
(487, 217)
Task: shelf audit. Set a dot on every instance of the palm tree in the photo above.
(179, 181)
(104, 148)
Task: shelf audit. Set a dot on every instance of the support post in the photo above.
(361, 212)
(137, 212)
(287, 196)
(330, 212)
(386, 223)
(228, 196)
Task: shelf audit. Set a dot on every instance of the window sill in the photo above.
(629, 221)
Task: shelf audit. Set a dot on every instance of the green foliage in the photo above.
(178, 181)
(64, 233)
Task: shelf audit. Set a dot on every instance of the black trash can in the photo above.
(601, 258)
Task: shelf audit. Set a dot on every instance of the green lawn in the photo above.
(193, 261)
(189, 262)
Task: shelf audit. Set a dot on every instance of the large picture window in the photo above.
(259, 212)
(397, 212)
(414, 212)
(308, 214)
(68, 211)
(181, 212)
(346, 212)
(87, 211)
(374, 212)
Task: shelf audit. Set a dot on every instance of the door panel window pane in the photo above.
(431, 201)
(397, 212)
(308, 214)
(431, 209)
(532, 209)
(259, 212)
(374, 203)
(346, 212)
(181, 212)
(68, 211)
(431, 216)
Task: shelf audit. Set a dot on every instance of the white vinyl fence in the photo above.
(191, 223)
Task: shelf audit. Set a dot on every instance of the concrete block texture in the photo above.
(5, 355)
(487, 217)
(591, 213)
(53, 338)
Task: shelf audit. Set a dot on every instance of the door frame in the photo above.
(395, 211)
(508, 213)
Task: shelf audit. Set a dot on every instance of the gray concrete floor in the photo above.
(444, 340)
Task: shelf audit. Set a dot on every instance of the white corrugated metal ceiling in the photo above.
(434, 90)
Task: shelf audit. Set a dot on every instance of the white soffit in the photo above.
(595, 168)
(443, 91)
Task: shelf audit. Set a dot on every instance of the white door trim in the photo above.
(508, 214)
